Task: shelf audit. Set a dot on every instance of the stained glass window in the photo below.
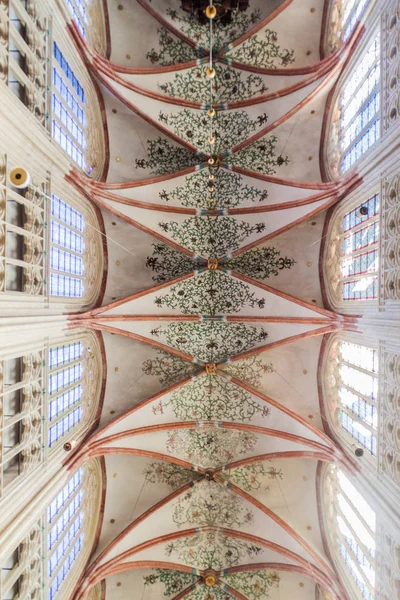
(355, 535)
(65, 535)
(67, 247)
(68, 109)
(78, 10)
(359, 263)
(65, 389)
(358, 370)
(352, 10)
(359, 106)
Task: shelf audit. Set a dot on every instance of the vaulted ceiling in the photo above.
(213, 318)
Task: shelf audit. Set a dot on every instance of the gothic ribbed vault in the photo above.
(213, 320)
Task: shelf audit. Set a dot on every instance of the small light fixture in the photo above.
(68, 446)
(211, 72)
(362, 211)
(211, 161)
(211, 12)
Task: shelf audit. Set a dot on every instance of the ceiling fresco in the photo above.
(211, 430)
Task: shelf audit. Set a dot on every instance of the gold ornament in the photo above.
(211, 12)
(211, 139)
(211, 177)
(211, 369)
(211, 112)
(211, 161)
(211, 72)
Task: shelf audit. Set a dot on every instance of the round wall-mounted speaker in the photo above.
(20, 178)
(359, 452)
(68, 446)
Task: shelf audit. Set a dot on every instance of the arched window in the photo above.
(39, 410)
(360, 251)
(78, 10)
(352, 10)
(354, 372)
(355, 125)
(67, 266)
(63, 260)
(343, 17)
(76, 120)
(350, 524)
(352, 253)
(63, 538)
(358, 368)
(89, 18)
(68, 109)
(73, 373)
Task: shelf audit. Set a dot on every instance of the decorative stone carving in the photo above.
(391, 25)
(390, 240)
(97, 28)
(388, 559)
(28, 445)
(4, 41)
(28, 567)
(389, 429)
(333, 40)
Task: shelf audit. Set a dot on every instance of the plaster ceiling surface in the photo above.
(212, 318)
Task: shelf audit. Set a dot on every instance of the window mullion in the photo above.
(68, 226)
(68, 250)
(356, 561)
(359, 515)
(357, 276)
(69, 548)
(357, 368)
(358, 137)
(355, 417)
(67, 131)
(63, 366)
(360, 395)
(364, 549)
(64, 507)
(64, 532)
(61, 74)
(65, 413)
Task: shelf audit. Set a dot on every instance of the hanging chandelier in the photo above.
(225, 10)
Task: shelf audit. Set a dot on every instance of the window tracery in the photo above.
(89, 18)
(73, 371)
(361, 391)
(351, 528)
(68, 109)
(62, 260)
(24, 56)
(355, 121)
(46, 397)
(23, 53)
(343, 17)
(353, 372)
(352, 261)
(21, 572)
(51, 556)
